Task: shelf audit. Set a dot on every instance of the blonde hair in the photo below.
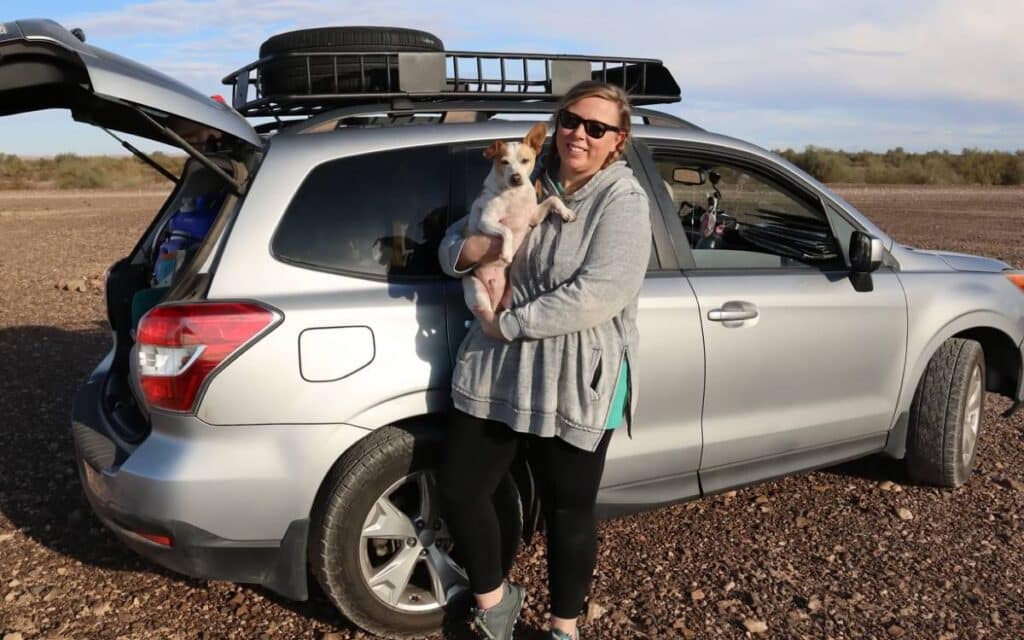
(598, 89)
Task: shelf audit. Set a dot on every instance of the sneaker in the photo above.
(498, 622)
(557, 634)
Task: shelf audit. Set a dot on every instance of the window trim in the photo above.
(776, 175)
(352, 273)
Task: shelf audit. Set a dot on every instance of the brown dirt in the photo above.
(821, 555)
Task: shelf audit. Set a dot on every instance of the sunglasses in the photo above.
(594, 128)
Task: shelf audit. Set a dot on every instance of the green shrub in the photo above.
(897, 166)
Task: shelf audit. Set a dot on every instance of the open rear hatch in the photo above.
(45, 66)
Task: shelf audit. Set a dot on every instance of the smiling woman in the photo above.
(553, 371)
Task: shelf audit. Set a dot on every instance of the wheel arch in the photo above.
(1002, 359)
(1003, 365)
(429, 428)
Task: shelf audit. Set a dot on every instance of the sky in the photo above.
(920, 74)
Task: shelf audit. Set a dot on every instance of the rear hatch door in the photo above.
(45, 66)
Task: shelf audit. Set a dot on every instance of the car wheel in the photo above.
(378, 545)
(330, 74)
(945, 416)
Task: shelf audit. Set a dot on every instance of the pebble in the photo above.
(904, 513)
(1010, 483)
(594, 611)
(755, 626)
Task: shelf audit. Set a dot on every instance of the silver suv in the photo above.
(276, 390)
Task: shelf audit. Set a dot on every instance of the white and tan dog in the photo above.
(507, 207)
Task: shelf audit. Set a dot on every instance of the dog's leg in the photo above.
(492, 226)
(477, 297)
(545, 207)
(496, 287)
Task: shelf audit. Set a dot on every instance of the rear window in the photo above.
(379, 215)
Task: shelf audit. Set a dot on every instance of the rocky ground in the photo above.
(848, 552)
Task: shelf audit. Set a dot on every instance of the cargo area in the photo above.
(172, 262)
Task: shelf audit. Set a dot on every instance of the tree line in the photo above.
(896, 166)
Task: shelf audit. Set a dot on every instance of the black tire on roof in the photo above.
(935, 438)
(288, 75)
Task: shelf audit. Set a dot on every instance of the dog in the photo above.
(507, 208)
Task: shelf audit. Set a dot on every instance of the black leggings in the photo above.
(477, 455)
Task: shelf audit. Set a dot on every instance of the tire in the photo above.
(288, 75)
(949, 399)
(344, 561)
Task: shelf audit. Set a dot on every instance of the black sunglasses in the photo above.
(594, 128)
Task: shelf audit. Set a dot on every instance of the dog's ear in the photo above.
(535, 138)
(496, 149)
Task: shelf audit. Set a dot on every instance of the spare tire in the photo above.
(287, 75)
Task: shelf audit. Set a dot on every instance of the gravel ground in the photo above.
(847, 552)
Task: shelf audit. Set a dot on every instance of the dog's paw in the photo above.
(569, 215)
(507, 255)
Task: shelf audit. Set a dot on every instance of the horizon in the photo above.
(868, 78)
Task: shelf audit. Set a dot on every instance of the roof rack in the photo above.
(321, 80)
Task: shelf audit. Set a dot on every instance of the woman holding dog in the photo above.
(555, 367)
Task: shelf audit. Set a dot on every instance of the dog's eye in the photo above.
(524, 161)
(505, 161)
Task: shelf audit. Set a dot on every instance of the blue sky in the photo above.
(921, 74)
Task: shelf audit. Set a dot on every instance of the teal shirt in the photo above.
(618, 409)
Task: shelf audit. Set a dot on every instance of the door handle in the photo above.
(731, 315)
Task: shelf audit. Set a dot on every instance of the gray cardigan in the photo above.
(575, 287)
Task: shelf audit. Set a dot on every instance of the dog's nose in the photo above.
(516, 179)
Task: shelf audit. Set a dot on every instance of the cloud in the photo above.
(815, 70)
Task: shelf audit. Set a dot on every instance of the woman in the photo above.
(555, 368)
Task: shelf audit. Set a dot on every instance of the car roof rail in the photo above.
(315, 84)
(406, 112)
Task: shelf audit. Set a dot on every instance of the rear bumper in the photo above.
(186, 481)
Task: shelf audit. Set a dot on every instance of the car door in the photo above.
(801, 368)
(658, 462)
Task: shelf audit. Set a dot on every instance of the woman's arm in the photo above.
(610, 277)
(458, 255)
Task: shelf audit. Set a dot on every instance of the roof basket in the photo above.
(321, 80)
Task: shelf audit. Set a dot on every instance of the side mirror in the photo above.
(865, 257)
(865, 252)
(691, 177)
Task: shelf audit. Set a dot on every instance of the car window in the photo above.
(477, 168)
(734, 218)
(378, 215)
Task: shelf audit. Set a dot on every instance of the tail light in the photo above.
(179, 346)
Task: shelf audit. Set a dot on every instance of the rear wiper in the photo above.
(141, 156)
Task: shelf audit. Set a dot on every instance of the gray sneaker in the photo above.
(498, 622)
